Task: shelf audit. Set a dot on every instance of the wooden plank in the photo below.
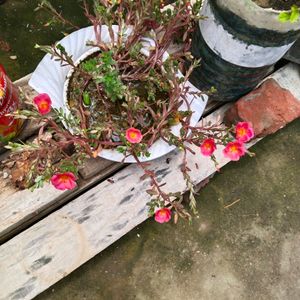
(93, 166)
(288, 78)
(293, 54)
(20, 209)
(94, 220)
(89, 224)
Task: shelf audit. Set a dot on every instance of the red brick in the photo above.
(268, 108)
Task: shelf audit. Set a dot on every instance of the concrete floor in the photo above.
(247, 251)
(21, 28)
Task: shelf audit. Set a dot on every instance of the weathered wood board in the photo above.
(293, 54)
(89, 224)
(19, 209)
(35, 259)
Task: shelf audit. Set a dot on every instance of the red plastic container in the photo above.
(9, 102)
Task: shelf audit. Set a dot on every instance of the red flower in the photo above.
(133, 135)
(43, 103)
(208, 147)
(234, 150)
(244, 132)
(64, 181)
(163, 215)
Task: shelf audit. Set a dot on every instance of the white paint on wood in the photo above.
(23, 81)
(233, 50)
(15, 205)
(288, 78)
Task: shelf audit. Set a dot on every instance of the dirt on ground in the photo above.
(4, 46)
(277, 4)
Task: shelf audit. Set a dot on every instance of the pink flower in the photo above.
(208, 147)
(234, 150)
(133, 135)
(43, 103)
(244, 132)
(64, 181)
(163, 215)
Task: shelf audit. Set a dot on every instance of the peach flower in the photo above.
(133, 135)
(244, 132)
(43, 103)
(64, 181)
(208, 147)
(234, 150)
(163, 215)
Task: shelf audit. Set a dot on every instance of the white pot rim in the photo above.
(257, 16)
(113, 154)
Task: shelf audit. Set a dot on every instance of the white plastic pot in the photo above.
(49, 77)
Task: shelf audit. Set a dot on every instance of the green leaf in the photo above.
(294, 14)
(121, 149)
(107, 58)
(20, 147)
(61, 48)
(284, 17)
(86, 99)
(90, 65)
(68, 166)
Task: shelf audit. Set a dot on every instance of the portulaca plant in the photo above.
(121, 99)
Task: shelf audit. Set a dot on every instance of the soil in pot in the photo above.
(100, 111)
(277, 4)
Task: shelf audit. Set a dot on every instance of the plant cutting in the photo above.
(125, 98)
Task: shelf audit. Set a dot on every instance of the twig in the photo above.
(231, 204)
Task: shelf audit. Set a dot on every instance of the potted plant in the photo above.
(121, 95)
(239, 42)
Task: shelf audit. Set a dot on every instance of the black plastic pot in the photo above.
(238, 43)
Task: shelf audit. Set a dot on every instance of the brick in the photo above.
(269, 108)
